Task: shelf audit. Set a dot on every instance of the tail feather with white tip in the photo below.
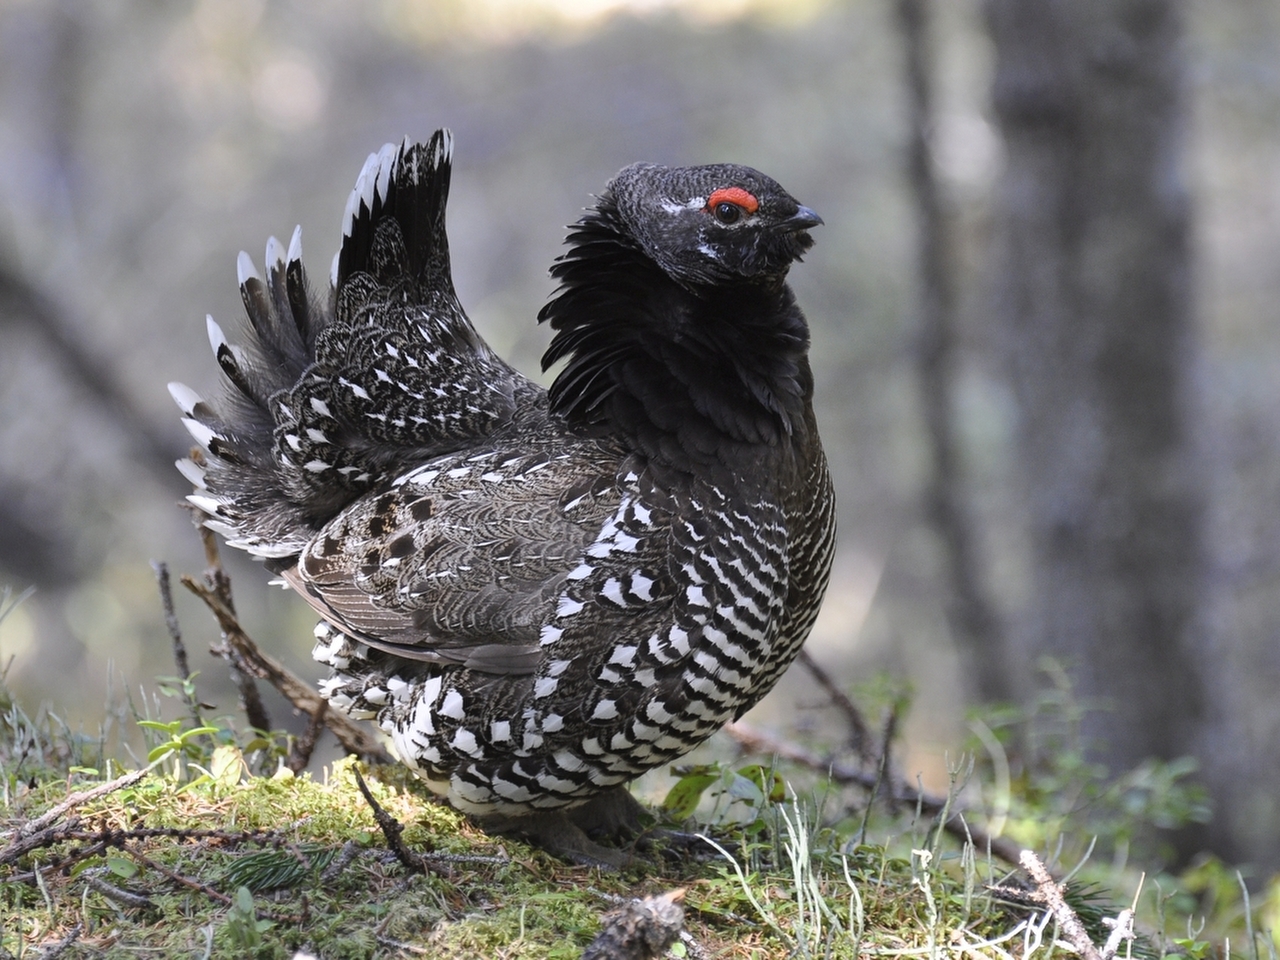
(326, 398)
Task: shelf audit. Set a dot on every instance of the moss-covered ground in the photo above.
(201, 854)
(223, 864)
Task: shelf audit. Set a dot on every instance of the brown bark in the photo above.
(1094, 299)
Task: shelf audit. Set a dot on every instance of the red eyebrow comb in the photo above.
(735, 195)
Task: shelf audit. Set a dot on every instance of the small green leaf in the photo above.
(683, 798)
(122, 867)
(198, 732)
(772, 786)
(170, 728)
(161, 751)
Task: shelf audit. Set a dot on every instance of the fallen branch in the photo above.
(757, 741)
(1049, 893)
(218, 583)
(61, 947)
(36, 841)
(883, 767)
(860, 738)
(126, 898)
(305, 745)
(175, 636)
(392, 829)
(52, 815)
(302, 695)
(208, 891)
(1121, 931)
(91, 843)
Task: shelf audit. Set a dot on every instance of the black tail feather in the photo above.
(394, 227)
(327, 398)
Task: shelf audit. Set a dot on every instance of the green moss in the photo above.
(200, 858)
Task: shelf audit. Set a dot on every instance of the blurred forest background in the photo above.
(1044, 313)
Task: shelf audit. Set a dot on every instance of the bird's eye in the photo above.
(727, 212)
(731, 204)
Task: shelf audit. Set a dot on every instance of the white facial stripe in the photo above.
(672, 207)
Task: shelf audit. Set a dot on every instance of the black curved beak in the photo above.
(802, 219)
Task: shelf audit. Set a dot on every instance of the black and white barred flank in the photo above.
(537, 596)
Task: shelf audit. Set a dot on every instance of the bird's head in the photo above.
(713, 224)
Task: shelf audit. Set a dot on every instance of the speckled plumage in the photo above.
(538, 595)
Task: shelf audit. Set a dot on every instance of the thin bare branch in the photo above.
(175, 636)
(1049, 893)
(860, 739)
(51, 816)
(126, 898)
(217, 581)
(392, 829)
(208, 891)
(883, 765)
(754, 740)
(61, 947)
(302, 695)
(305, 745)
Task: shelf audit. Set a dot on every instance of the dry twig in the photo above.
(175, 635)
(1122, 930)
(297, 691)
(218, 584)
(52, 815)
(883, 766)
(208, 891)
(61, 947)
(305, 745)
(392, 829)
(860, 739)
(757, 741)
(1049, 893)
(127, 898)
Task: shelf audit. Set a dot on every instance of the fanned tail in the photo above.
(237, 480)
(324, 400)
(393, 228)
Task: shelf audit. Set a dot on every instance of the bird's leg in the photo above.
(617, 816)
(571, 835)
(612, 815)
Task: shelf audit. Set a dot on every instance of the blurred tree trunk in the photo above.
(1094, 297)
(971, 614)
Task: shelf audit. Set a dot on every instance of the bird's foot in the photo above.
(679, 845)
(571, 835)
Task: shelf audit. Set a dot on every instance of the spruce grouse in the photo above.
(537, 594)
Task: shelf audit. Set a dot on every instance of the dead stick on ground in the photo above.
(859, 732)
(1121, 931)
(175, 635)
(883, 766)
(61, 947)
(756, 741)
(78, 799)
(391, 829)
(1050, 894)
(124, 897)
(297, 691)
(208, 891)
(305, 745)
(219, 583)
